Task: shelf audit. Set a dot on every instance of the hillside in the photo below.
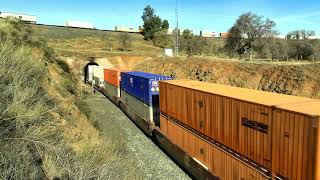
(300, 79)
(296, 78)
(43, 134)
(85, 43)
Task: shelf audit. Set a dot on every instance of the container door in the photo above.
(255, 133)
(293, 144)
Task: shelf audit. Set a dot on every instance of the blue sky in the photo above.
(210, 15)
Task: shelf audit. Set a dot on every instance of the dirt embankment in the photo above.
(128, 62)
(286, 78)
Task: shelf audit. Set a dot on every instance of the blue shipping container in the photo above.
(142, 86)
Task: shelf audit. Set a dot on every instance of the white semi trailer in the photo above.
(79, 24)
(24, 17)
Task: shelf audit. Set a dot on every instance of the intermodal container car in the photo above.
(112, 83)
(142, 85)
(90, 73)
(98, 76)
(277, 132)
(112, 76)
(140, 92)
(212, 157)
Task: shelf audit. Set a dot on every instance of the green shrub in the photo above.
(69, 86)
(63, 65)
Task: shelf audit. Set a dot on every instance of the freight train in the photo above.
(219, 132)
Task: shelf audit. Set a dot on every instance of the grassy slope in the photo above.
(90, 43)
(43, 134)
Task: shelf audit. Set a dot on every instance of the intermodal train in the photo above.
(219, 132)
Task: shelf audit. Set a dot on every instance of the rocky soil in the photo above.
(299, 79)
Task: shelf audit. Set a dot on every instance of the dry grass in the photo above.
(92, 43)
(42, 133)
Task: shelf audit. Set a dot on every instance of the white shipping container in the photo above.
(314, 37)
(98, 73)
(90, 73)
(207, 34)
(125, 29)
(80, 24)
(23, 17)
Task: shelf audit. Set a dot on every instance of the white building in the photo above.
(168, 52)
(79, 24)
(24, 17)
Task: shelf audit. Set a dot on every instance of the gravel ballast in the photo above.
(151, 161)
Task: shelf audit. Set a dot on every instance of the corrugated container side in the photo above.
(111, 91)
(112, 76)
(243, 127)
(163, 124)
(317, 158)
(96, 81)
(147, 113)
(90, 72)
(283, 139)
(142, 86)
(136, 86)
(163, 97)
(212, 158)
(98, 75)
(294, 146)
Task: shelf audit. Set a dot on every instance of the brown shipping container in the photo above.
(212, 158)
(268, 128)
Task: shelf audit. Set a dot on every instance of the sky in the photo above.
(208, 15)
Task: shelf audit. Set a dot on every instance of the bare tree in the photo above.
(246, 30)
(300, 34)
(125, 40)
(109, 42)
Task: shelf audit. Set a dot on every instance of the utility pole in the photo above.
(176, 35)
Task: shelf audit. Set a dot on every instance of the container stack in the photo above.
(90, 73)
(140, 92)
(239, 133)
(112, 83)
(98, 76)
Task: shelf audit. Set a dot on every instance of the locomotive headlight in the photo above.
(157, 89)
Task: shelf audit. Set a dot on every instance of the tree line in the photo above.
(251, 37)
